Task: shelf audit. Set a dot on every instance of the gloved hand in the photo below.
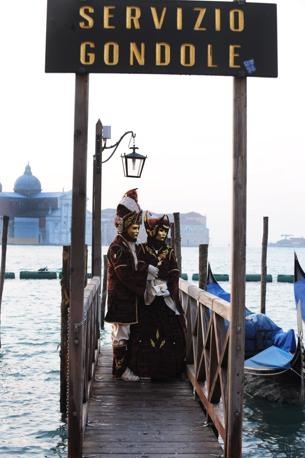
(152, 272)
(165, 293)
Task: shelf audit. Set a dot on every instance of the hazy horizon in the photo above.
(183, 123)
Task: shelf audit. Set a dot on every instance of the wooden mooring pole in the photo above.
(96, 257)
(96, 253)
(75, 395)
(171, 239)
(233, 443)
(177, 240)
(5, 221)
(203, 266)
(264, 264)
(65, 305)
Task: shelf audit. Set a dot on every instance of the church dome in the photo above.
(27, 184)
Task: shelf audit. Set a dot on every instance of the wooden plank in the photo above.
(202, 454)
(133, 447)
(145, 419)
(218, 305)
(110, 425)
(152, 404)
(146, 435)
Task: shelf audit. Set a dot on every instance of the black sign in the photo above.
(177, 37)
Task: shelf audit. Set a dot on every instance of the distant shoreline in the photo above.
(292, 242)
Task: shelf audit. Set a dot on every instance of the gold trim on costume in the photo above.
(120, 265)
(173, 270)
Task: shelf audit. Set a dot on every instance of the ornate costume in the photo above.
(126, 280)
(157, 342)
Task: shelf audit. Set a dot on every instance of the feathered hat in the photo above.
(152, 225)
(128, 211)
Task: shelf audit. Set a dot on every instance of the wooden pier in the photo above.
(148, 419)
(145, 419)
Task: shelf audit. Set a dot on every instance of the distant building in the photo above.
(44, 218)
(37, 217)
(192, 227)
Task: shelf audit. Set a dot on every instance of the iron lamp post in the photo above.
(133, 164)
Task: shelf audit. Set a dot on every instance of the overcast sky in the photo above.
(183, 124)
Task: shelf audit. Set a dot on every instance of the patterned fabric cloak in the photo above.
(157, 342)
(125, 283)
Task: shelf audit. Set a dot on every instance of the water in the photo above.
(29, 358)
(30, 421)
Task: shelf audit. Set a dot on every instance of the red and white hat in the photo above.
(152, 225)
(128, 211)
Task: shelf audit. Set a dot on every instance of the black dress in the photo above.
(157, 341)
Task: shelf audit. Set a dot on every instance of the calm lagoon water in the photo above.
(30, 421)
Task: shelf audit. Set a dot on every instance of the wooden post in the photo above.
(171, 239)
(75, 399)
(264, 265)
(65, 304)
(5, 221)
(203, 266)
(233, 443)
(177, 240)
(104, 289)
(96, 203)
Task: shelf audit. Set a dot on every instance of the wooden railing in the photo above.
(91, 336)
(84, 337)
(207, 350)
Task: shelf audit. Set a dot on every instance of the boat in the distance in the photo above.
(274, 358)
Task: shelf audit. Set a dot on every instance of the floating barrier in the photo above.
(9, 275)
(221, 277)
(285, 278)
(37, 275)
(218, 277)
(257, 277)
(225, 277)
(50, 275)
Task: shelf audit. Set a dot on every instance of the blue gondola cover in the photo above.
(260, 331)
(272, 357)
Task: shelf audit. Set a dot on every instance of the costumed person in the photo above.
(157, 341)
(127, 279)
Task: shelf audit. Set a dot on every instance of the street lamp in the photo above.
(133, 164)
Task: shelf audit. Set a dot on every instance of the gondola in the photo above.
(274, 359)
